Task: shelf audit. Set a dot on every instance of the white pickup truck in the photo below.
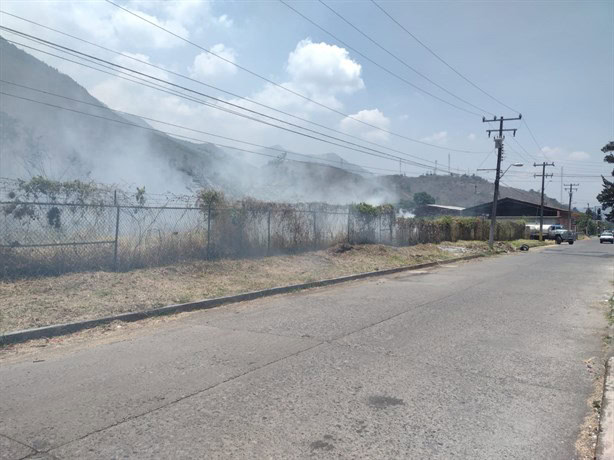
(606, 237)
(556, 232)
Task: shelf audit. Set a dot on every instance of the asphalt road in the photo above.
(485, 360)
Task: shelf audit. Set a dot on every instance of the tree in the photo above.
(606, 197)
(422, 198)
(585, 222)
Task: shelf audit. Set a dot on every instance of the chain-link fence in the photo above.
(51, 238)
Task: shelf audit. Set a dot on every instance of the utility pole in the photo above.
(572, 187)
(435, 167)
(499, 145)
(449, 170)
(543, 175)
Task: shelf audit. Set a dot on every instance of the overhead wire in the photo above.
(124, 122)
(251, 72)
(440, 58)
(387, 51)
(532, 135)
(71, 50)
(171, 72)
(149, 128)
(380, 66)
(457, 72)
(149, 84)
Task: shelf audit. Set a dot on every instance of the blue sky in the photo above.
(552, 61)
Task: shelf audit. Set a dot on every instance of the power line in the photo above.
(387, 51)
(149, 128)
(441, 59)
(532, 135)
(149, 84)
(485, 158)
(101, 106)
(210, 86)
(385, 69)
(302, 96)
(427, 167)
(72, 50)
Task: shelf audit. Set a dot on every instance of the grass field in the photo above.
(35, 302)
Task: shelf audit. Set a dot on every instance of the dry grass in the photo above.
(38, 302)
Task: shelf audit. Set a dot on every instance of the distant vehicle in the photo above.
(556, 232)
(559, 234)
(606, 237)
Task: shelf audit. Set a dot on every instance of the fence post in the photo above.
(241, 229)
(349, 214)
(115, 246)
(268, 235)
(208, 229)
(391, 223)
(380, 229)
(315, 237)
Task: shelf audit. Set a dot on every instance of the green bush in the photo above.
(448, 228)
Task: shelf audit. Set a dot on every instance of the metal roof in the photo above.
(526, 203)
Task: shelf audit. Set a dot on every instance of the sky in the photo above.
(552, 61)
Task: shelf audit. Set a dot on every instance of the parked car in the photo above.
(606, 237)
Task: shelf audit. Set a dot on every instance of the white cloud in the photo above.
(471, 137)
(225, 21)
(579, 156)
(110, 26)
(552, 152)
(440, 137)
(320, 67)
(373, 117)
(206, 65)
(319, 71)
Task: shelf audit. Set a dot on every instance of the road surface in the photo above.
(486, 359)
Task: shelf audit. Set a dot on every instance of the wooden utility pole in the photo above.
(543, 175)
(499, 145)
(572, 187)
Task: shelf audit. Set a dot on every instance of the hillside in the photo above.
(44, 140)
(462, 190)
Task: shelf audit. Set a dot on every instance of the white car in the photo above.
(606, 237)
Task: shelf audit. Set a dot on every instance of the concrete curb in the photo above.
(605, 438)
(67, 328)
